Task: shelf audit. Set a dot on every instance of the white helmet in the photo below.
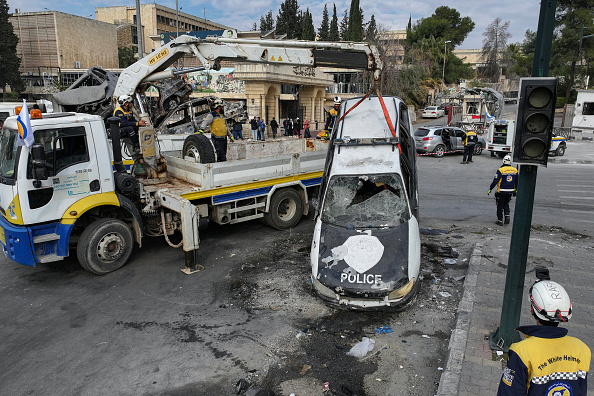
(550, 301)
(217, 103)
(337, 100)
(125, 99)
(507, 160)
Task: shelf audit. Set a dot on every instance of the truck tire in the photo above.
(439, 151)
(501, 154)
(199, 147)
(286, 209)
(104, 246)
(560, 151)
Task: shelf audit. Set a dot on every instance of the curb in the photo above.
(450, 378)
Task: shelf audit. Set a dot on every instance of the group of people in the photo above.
(258, 127)
(293, 127)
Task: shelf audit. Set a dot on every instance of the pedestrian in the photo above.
(274, 127)
(291, 127)
(297, 126)
(506, 180)
(306, 133)
(237, 130)
(254, 126)
(470, 140)
(548, 361)
(129, 129)
(286, 126)
(263, 129)
(216, 124)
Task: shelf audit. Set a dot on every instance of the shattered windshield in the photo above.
(365, 201)
(8, 152)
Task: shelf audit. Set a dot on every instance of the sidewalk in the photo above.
(472, 368)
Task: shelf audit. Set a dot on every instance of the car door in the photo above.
(457, 143)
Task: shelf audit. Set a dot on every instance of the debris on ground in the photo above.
(362, 348)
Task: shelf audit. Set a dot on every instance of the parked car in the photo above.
(432, 112)
(429, 140)
(558, 145)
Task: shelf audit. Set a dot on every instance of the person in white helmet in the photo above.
(506, 181)
(548, 362)
(129, 129)
(216, 124)
(332, 115)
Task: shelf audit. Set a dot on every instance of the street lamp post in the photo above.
(445, 48)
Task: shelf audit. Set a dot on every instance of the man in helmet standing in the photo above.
(332, 114)
(217, 126)
(129, 129)
(470, 140)
(548, 361)
(506, 180)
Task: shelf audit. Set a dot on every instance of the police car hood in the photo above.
(357, 262)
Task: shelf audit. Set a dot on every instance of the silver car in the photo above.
(429, 140)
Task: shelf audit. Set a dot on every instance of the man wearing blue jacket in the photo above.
(506, 180)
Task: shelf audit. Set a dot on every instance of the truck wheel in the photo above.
(478, 149)
(199, 147)
(104, 246)
(560, 150)
(439, 151)
(285, 210)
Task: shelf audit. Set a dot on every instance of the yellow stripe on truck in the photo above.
(92, 201)
(250, 186)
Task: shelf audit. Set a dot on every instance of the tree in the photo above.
(371, 32)
(9, 61)
(288, 20)
(334, 34)
(355, 24)
(522, 56)
(324, 30)
(344, 25)
(445, 23)
(126, 56)
(267, 22)
(307, 28)
(495, 49)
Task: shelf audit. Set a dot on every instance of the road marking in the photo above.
(577, 197)
(575, 191)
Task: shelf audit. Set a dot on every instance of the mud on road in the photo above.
(313, 356)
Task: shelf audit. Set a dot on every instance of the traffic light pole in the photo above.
(506, 335)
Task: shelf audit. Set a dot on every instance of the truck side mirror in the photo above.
(39, 169)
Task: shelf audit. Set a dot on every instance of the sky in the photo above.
(389, 14)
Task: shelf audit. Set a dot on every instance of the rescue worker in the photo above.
(129, 129)
(331, 119)
(216, 124)
(470, 140)
(548, 361)
(506, 180)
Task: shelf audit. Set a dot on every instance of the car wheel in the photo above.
(478, 149)
(439, 151)
(104, 246)
(560, 150)
(199, 147)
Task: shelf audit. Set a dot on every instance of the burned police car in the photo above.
(366, 248)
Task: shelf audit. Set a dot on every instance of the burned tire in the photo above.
(199, 147)
(439, 151)
(286, 209)
(104, 246)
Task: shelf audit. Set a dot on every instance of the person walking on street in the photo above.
(237, 130)
(274, 127)
(215, 123)
(470, 140)
(506, 180)
(297, 127)
(548, 362)
(263, 130)
(286, 126)
(254, 126)
(129, 129)
(306, 133)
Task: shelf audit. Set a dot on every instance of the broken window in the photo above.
(366, 201)
(472, 108)
(588, 108)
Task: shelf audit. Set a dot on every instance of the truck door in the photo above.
(72, 169)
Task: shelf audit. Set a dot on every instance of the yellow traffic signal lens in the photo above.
(540, 97)
(534, 148)
(537, 123)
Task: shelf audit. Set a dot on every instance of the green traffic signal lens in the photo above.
(537, 123)
(539, 97)
(534, 148)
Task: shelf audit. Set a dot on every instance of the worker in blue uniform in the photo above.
(548, 361)
(331, 119)
(469, 141)
(129, 129)
(506, 181)
(216, 124)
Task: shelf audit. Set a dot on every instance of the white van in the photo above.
(366, 248)
(7, 109)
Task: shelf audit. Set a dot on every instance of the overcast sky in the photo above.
(389, 14)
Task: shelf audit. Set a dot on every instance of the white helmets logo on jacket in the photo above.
(507, 160)
(550, 301)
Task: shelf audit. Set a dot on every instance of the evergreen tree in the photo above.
(494, 49)
(334, 33)
(344, 25)
(324, 30)
(355, 24)
(288, 19)
(371, 32)
(267, 22)
(307, 28)
(445, 23)
(9, 61)
(409, 32)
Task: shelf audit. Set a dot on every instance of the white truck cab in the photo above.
(366, 248)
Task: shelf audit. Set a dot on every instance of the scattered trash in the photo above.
(449, 261)
(425, 336)
(401, 366)
(431, 231)
(242, 386)
(459, 278)
(499, 353)
(361, 348)
(304, 369)
(445, 294)
(378, 379)
(325, 386)
(440, 368)
(384, 330)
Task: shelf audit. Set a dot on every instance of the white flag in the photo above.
(24, 124)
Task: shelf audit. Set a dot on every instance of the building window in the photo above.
(588, 108)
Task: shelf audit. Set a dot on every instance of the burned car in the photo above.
(366, 248)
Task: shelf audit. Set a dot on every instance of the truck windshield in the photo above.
(365, 201)
(8, 153)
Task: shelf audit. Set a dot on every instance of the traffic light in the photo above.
(534, 125)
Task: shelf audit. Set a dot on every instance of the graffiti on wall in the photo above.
(216, 81)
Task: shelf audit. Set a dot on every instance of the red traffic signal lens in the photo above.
(534, 148)
(540, 97)
(537, 123)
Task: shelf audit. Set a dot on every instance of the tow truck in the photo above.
(62, 194)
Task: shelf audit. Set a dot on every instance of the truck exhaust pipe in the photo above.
(114, 128)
